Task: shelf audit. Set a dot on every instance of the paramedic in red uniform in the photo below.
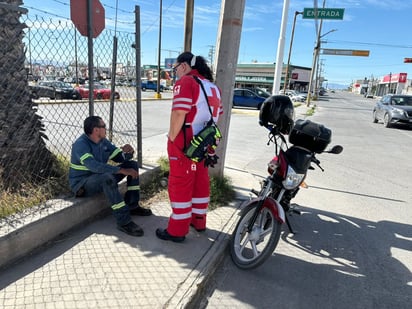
(189, 186)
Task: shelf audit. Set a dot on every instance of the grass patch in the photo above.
(221, 189)
(33, 195)
(156, 188)
(311, 111)
(221, 192)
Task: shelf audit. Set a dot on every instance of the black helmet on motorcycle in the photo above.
(278, 111)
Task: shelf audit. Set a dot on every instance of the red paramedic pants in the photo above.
(189, 190)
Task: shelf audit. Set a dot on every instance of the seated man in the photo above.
(90, 174)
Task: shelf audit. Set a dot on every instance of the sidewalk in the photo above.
(97, 266)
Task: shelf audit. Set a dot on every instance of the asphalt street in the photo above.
(353, 246)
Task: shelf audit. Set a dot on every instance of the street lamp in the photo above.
(290, 51)
(333, 30)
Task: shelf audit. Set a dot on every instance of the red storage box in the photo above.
(310, 135)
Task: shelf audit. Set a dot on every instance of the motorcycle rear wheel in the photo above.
(249, 250)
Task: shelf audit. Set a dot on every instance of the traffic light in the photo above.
(407, 60)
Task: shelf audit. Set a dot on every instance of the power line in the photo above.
(68, 10)
(371, 44)
(156, 21)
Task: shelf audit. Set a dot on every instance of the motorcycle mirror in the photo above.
(336, 149)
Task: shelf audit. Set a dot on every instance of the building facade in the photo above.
(261, 75)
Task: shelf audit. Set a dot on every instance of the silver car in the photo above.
(393, 109)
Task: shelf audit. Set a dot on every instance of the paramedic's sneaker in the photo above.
(163, 234)
(131, 228)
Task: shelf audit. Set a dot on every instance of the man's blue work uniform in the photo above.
(90, 174)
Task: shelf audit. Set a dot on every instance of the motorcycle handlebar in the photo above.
(337, 149)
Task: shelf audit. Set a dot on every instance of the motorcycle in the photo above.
(258, 230)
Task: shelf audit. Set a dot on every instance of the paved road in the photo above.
(353, 247)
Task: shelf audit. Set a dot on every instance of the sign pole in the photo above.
(90, 54)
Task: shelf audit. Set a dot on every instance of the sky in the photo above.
(381, 27)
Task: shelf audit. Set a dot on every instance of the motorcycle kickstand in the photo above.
(287, 220)
(289, 226)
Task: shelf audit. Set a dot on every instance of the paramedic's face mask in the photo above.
(180, 69)
(176, 66)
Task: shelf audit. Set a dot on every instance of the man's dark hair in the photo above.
(196, 62)
(90, 123)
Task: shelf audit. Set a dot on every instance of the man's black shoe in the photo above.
(131, 228)
(140, 211)
(164, 234)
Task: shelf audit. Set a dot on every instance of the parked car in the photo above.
(99, 92)
(54, 90)
(151, 85)
(247, 98)
(393, 109)
(321, 91)
(74, 80)
(295, 96)
(260, 92)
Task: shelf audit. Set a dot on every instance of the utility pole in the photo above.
(211, 54)
(227, 52)
(389, 85)
(315, 56)
(189, 12)
(319, 73)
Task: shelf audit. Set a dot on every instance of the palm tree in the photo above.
(24, 157)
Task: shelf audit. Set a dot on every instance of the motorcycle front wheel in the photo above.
(250, 249)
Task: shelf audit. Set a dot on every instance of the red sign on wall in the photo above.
(395, 78)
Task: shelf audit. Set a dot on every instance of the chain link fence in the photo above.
(44, 101)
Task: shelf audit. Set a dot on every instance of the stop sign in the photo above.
(78, 14)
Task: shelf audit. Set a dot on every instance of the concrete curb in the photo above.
(190, 292)
(35, 228)
(50, 101)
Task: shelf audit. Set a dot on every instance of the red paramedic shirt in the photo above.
(188, 96)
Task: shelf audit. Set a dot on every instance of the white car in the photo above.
(294, 95)
(298, 97)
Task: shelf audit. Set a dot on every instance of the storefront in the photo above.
(392, 83)
(251, 75)
(261, 75)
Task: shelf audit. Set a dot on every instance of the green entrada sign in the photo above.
(322, 13)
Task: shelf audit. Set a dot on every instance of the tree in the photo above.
(24, 157)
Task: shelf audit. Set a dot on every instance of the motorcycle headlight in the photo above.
(292, 179)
